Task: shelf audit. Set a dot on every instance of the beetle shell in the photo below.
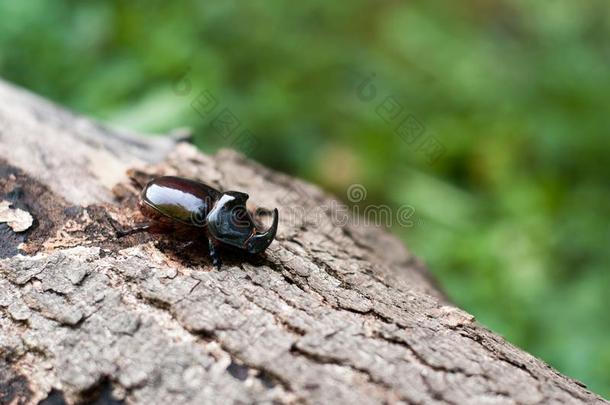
(174, 202)
(179, 199)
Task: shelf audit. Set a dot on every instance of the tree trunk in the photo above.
(331, 314)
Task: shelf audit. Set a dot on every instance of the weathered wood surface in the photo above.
(331, 315)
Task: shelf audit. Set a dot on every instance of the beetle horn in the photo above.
(260, 240)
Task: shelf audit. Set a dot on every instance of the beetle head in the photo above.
(230, 222)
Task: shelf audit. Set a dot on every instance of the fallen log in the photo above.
(331, 314)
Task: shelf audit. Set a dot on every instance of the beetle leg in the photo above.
(214, 254)
(138, 229)
(187, 245)
(138, 178)
(120, 232)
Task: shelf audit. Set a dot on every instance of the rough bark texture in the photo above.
(330, 315)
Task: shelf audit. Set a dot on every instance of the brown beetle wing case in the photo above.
(183, 200)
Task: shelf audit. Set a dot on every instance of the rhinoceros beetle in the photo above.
(172, 202)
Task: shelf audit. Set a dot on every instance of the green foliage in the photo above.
(513, 218)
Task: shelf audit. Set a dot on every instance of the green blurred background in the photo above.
(513, 218)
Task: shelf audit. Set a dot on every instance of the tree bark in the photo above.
(331, 314)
